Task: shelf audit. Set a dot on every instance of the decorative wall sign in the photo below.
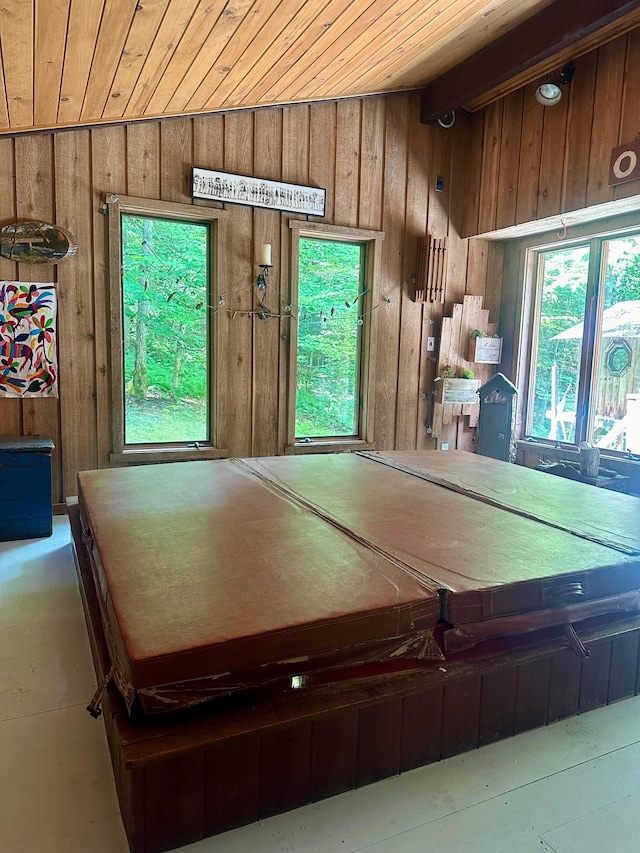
(257, 192)
(28, 365)
(625, 163)
(36, 243)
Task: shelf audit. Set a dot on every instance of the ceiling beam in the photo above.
(549, 31)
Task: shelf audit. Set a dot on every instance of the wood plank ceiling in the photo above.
(78, 62)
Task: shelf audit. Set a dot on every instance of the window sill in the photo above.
(329, 446)
(167, 454)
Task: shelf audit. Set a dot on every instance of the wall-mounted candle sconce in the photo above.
(264, 262)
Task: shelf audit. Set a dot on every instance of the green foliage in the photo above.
(330, 301)
(165, 299)
(563, 305)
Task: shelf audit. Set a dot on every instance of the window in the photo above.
(584, 381)
(162, 327)
(334, 297)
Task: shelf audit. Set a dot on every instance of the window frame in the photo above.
(596, 241)
(372, 241)
(115, 206)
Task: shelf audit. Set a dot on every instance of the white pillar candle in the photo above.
(264, 258)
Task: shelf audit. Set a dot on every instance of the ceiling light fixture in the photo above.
(549, 93)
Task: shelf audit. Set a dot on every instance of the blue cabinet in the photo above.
(26, 509)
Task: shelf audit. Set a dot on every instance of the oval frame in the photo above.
(34, 242)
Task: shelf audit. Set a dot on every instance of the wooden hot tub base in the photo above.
(187, 777)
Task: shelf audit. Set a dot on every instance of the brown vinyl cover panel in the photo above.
(202, 568)
(489, 561)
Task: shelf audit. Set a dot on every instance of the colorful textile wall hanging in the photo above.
(28, 365)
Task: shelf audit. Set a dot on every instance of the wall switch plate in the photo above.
(431, 344)
(444, 446)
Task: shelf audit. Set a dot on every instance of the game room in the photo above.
(319, 409)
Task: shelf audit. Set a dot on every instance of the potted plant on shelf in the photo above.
(484, 349)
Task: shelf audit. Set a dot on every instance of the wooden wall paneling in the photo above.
(564, 684)
(347, 174)
(594, 678)
(295, 169)
(10, 407)
(550, 185)
(76, 331)
(232, 784)
(497, 705)
(508, 175)
(143, 160)
(532, 691)
(578, 139)
(466, 203)
(379, 737)
(285, 764)
(477, 265)
(34, 200)
(108, 175)
(493, 286)
(629, 125)
(238, 284)
(266, 333)
(177, 784)
(393, 213)
(411, 328)
(372, 162)
(176, 159)
(605, 129)
(322, 153)
(208, 143)
(490, 168)
(624, 663)
(334, 754)
(421, 729)
(530, 152)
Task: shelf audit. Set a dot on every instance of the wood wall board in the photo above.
(174, 802)
(108, 175)
(323, 153)
(285, 769)
(607, 112)
(232, 784)
(139, 40)
(372, 156)
(82, 31)
(507, 194)
(10, 407)
(490, 167)
(176, 157)
(629, 125)
(564, 683)
(50, 38)
(334, 755)
(624, 664)
(465, 183)
(578, 139)
(477, 266)
(379, 757)
(550, 182)
(208, 143)
(497, 706)
(35, 200)
(143, 160)
(76, 339)
(238, 276)
(594, 678)
(266, 333)
(421, 727)
(411, 327)
(17, 54)
(347, 172)
(532, 688)
(390, 276)
(528, 178)
(186, 26)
